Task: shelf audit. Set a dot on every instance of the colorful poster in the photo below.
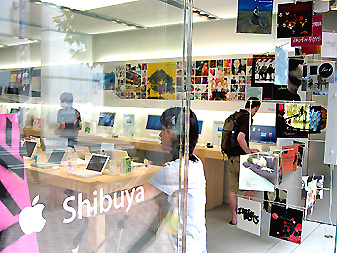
(279, 196)
(292, 120)
(289, 158)
(260, 173)
(315, 39)
(294, 20)
(286, 224)
(161, 80)
(254, 16)
(249, 216)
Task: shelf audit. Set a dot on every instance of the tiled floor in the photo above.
(222, 237)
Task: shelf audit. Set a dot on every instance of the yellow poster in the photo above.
(161, 80)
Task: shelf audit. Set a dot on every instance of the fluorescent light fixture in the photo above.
(86, 5)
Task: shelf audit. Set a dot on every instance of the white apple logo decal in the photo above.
(30, 218)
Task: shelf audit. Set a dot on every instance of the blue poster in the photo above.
(254, 16)
(281, 66)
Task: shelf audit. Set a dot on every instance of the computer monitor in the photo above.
(263, 134)
(153, 122)
(107, 119)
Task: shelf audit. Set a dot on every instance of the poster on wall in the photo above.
(249, 216)
(286, 223)
(19, 83)
(279, 196)
(254, 16)
(294, 20)
(161, 80)
(292, 120)
(263, 69)
(260, 173)
(315, 39)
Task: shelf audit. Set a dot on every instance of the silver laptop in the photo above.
(28, 149)
(94, 167)
(55, 158)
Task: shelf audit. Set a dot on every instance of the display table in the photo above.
(109, 184)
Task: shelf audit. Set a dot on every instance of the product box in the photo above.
(126, 165)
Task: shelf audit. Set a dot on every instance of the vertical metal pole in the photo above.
(187, 55)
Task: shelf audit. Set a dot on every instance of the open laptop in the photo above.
(94, 167)
(27, 150)
(55, 158)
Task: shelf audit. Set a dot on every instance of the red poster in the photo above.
(315, 39)
(289, 158)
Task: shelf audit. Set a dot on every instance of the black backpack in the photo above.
(229, 143)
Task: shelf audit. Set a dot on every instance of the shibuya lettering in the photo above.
(92, 208)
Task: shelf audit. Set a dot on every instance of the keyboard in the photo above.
(43, 165)
(84, 173)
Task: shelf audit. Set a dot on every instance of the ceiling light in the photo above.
(87, 5)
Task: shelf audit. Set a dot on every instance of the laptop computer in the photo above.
(55, 158)
(27, 150)
(94, 167)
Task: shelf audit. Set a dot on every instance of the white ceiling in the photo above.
(145, 13)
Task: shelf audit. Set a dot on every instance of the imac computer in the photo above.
(106, 122)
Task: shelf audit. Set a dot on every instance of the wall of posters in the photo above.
(254, 16)
(294, 20)
(249, 216)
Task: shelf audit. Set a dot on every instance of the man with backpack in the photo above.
(235, 142)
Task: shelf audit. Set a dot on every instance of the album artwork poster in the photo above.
(279, 196)
(249, 216)
(260, 173)
(289, 158)
(286, 223)
(292, 120)
(305, 186)
(311, 197)
(239, 66)
(254, 16)
(294, 20)
(161, 80)
(263, 69)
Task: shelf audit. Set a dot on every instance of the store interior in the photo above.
(106, 57)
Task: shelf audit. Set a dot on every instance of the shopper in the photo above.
(69, 119)
(251, 108)
(294, 81)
